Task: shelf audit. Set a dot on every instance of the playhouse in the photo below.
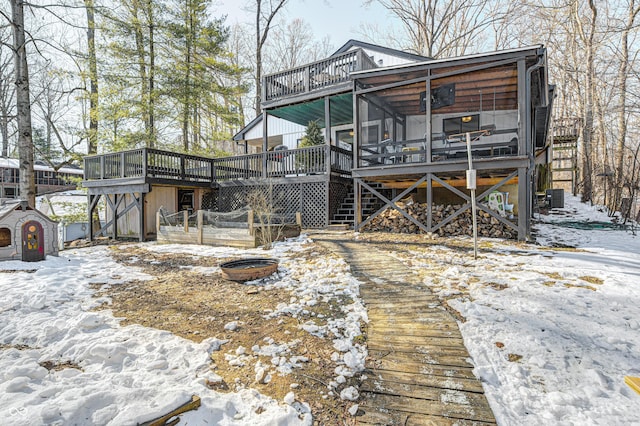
(25, 233)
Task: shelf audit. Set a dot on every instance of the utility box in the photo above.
(555, 198)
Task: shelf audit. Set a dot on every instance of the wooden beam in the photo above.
(400, 184)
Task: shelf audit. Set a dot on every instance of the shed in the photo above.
(25, 233)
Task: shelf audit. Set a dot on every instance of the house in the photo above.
(25, 233)
(47, 179)
(395, 125)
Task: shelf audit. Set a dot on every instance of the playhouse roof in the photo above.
(8, 206)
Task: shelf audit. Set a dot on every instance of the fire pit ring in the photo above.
(248, 269)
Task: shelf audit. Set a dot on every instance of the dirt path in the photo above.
(418, 367)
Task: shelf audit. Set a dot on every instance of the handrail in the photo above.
(154, 163)
(567, 127)
(327, 72)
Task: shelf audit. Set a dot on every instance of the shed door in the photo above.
(32, 242)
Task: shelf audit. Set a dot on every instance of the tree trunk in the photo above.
(261, 38)
(623, 72)
(587, 130)
(258, 76)
(142, 67)
(186, 112)
(23, 104)
(93, 78)
(4, 131)
(152, 76)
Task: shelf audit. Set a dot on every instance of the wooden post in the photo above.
(115, 216)
(200, 225)
(144, 162)
(141, 212)
(299, 219)
(158, 222)
(90, 207)
(428, 145)
(250, 221)
(186, 221)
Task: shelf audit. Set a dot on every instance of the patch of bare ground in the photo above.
(197, 306)
(59, 365)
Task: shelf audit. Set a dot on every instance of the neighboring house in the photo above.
(47, 179)
(395, 126)
(25, 233)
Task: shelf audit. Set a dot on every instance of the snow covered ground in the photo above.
(127, 375)
(552, 332)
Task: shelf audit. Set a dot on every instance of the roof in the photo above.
(8, 206)
(430, 62)
(240, 135)
(12, 163)
(387, 50)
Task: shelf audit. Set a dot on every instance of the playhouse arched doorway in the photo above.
(32, 241)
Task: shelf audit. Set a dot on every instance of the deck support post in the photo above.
(141, 212)
(522, 204)
(357, 204)
(429, 202)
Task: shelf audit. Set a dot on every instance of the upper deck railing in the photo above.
(156, 164)
(317, 75)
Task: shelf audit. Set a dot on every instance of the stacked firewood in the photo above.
(392, 220)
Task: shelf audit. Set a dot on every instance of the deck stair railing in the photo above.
(566, 129)
(153, 163)
(317, 75)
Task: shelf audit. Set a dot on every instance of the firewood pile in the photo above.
(392, 221)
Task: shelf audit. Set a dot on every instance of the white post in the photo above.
(471, 184)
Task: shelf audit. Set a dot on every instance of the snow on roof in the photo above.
(12, 163)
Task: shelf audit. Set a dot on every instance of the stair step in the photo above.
(336, 226)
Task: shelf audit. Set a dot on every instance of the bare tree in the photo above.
(7, 93)
(294, 46)
(266, 11)
(587, 36)
(93, 77)
(623, 74)
(23, 104)
(439, 29)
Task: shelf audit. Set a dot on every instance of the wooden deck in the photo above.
(418, 369)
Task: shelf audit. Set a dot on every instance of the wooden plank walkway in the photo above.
(418, 367)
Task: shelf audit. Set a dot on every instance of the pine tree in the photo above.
(313, 135)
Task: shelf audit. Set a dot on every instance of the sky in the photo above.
(338, 19)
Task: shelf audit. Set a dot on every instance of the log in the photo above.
(392, 221)
(188, 406)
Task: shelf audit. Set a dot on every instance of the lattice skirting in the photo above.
(311, 199)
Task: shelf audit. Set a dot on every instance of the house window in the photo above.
(463, 124)
(5, 237)
(344, 139)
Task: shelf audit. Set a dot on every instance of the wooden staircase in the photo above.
(564, 163)
(345, 215)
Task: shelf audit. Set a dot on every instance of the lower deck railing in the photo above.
(153, 163)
